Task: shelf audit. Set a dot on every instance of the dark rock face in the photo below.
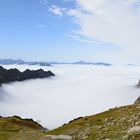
(138, 85)
(12, 75)
(137, 101)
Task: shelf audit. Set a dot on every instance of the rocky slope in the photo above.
(15, 75)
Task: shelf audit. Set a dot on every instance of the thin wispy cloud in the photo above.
(81, 39)
(56, 10)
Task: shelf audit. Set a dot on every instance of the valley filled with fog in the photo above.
(76, 90)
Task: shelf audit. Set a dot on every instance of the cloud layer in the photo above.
(76, 90)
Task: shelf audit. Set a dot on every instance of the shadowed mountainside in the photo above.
(12, 75)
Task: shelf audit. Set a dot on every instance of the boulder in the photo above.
(58, 137)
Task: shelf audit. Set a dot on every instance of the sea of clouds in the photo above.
(76, 90)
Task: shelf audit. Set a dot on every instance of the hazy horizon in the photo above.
(69, 62)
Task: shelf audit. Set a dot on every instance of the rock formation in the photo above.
(137, 101)
(138, 85)
(12, 75)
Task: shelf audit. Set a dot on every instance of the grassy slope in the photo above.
(15, 128)
(113, 124)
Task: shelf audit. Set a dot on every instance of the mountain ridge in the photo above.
(11, 75)
(50, 63)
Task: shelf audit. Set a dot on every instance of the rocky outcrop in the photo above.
(58, 137)
(32, 74)
(137, 101)
(12, 75)
(138, 85)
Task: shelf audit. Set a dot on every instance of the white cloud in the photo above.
(116, 21)
(110, 21)
(58, 11)
(74, 91)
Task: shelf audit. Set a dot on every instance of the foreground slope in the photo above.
(15, 128)
(114, 124)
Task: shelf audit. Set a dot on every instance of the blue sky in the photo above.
(52, 30)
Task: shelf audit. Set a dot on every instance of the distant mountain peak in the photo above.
(41, 63)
